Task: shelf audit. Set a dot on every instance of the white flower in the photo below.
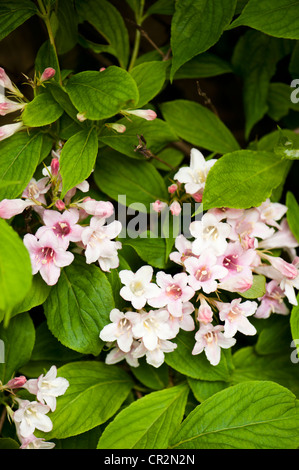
(151, 327)
(196, 174)
(31, 415)
(97, 239)
(138, 287)
(120, 330)
(210, 339)
(235, 315)
(155, 357)
(48, 387)
(209, 233)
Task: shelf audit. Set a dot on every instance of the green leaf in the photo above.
(151, 377)
(255, 415)
(150, 78)
(168, 157)
(46, 57)
(196, 26)
(293, 214)
(138, 181)
(294, 61)
(199, 126)
(203, 389)
(13, 14)
(257, 289)
(275, 367)
(86, 440)
(67, 32)
(101, 95)
(77, 158)
(95, 393)
(279, 102)
(15, 269)
(41, 111)
(275, 337)
(147, 423)
(157, 135)
(203, 65)
(161, 7)
(243, 179)
(197, 367)
(294, 323)
(78, 307)
(277, 18)
(107, 20)
(263, 53)
(18, 340)
(37, 295)
(20, 155)
(150, 250)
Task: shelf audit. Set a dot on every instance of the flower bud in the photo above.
(172, 188)
(117, 127)
(147, 114)
(54, 166)
(158, 206)
(60, 205)
(5, 81)
(175, 208)
(9, 129)
(48, 73)
(81, 117)
(17, 382)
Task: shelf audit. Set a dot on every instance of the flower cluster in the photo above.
(62, 222)
(227, 249)
(32, 415)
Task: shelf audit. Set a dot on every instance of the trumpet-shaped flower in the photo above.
(235, 315)
(211, 339)
(31, 415)
(138, 287)
(204, 272)
(64, 226)
(209, 233)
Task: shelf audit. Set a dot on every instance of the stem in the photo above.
(45, 15)
(138, 18)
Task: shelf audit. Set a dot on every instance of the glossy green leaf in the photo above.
(199, 126)
(150, 78)
(155, 378)
(243, 179)
(13, 14)
(37, 295)
(293, 214)
(41, 111)
(148, 423)
(78, 158)
(100, 95)
(255, 415)
(96, 391)
(78, 307)
(257, 289)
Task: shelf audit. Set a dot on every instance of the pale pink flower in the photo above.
(60, 205)
(97, 239)
(185, 321)
(152, 326)
(235, 315)
(270, 212)
(226, 213)
(35, 190)
(116, 355)
(204, 312)
(11, 207)
(155, 357)
(9, 129)
(173, 293)
(209, 233)
(100, 209)
(31, 415)
(210, 339)
(249, 225)
(33, 442)
(8, 106)
(175, 208)
(119, 330)
(147, 114)
(64, 226)
(81, 117)
(120, 128)
(272, 301)
(48, 387)
(158, 206)
(184, 250)
(194, 177)
(204, 271)
(138, 287)
(47, 256)
(282, 238)
(5, 81)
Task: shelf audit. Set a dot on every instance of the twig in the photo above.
(207, 100)
(141, 148)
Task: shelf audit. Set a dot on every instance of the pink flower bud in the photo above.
(9, 107)
(175, 208)
(9, 129)
(55, 166)
(81, 117)
(102, 69)
(172, 188)
(158, 206)
(197, 197)
(17, 382)
(60, 205)
(11, 207)
(205, 313)
(147, 114)
(5, 81)
(48, 73)
(117, 127)
(286, 269)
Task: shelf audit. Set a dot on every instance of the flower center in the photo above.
(210, 337)
(46, 255)
(234, 313)
(210, 232)
(137, 288)
(62, 229)
(231, 263)
(33, 190)
(174, 291)
(202, 274)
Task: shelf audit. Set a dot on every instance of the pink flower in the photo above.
(226, 213)
(249, 224)
(270, 212)
(283, 238)
(210, 339)
(100, 209)
(7, 106)
(120, 330)
(5, 81)
(35, 190)
(175, 208)
(47, 256)
(204, 271)
(158, 206)
(9, 129)
(184, 250)
(97, 239)
(11, 207)
(174, 291)
(184, 322)
(272, 301)
(147, 114)
(235, 315)
(138, 287)
(64, 226)
(48, 73)
(204, 313)
(31, 416)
